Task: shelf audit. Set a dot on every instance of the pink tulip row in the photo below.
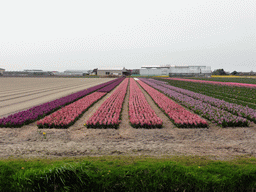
(108, 114)
(216, 82)
(67, 115)
(140, 112)
(178, 115)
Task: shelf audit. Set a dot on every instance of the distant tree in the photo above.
(219, 72)
(234, 73)
(252, 73)
(95, 71)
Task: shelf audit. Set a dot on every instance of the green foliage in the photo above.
(219, 72)
(234, 73)
(127, 173)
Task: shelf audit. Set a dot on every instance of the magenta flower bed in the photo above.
(30, 115)
(178, 115)
(67, 115)
(140, 112)
(216, 82)
(108, 114)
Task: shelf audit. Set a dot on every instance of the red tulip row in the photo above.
(177, 114)
(140, 112)
(67, 115)
(108, 114)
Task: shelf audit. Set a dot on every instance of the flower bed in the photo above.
(177, 114)
(235, 109)
(216, 82)
(108, 114)
(214, 114)
(140, 112)
(69, 114)
(30, 115)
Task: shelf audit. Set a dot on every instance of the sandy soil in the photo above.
(215, 142)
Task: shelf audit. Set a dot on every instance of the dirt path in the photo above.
(215, 142)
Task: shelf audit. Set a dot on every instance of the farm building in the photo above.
(117, 71)
(173, 70)
(77, 72)
(2, 71)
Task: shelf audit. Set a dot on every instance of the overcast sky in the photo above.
(60, 35)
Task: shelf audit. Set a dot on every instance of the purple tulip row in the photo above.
(214, 114)
(235, 109)
(110, 87)
(30, 115)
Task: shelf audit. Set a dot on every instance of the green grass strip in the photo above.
(128, 173)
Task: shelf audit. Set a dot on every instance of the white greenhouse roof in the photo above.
(150, 66)
(112, 68)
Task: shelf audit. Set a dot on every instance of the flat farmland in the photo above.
(17, 94)
(79, 140)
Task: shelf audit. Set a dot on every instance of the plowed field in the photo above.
(17, 94)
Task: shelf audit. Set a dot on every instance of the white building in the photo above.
(116, 71)
(173, 70)
(77, 72)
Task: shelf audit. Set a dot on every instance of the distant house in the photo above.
(2, 71)
(117, 71)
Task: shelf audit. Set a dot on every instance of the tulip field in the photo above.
(35, 113)
(241, 95)
(185, 105)
(200, 106)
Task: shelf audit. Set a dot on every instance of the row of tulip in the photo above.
(108, 114)
(235, 109)
(216, 82)
(177, 114)
(67, 115)
(214, 114)
(110, 87)
(35, 113)
(140, 112)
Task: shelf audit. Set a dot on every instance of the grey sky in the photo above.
(60, 35)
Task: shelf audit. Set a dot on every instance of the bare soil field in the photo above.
(215, 142)
(19, 93)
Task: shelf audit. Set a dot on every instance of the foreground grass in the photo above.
(128, 173)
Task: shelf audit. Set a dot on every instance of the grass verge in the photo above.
(128, 173)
